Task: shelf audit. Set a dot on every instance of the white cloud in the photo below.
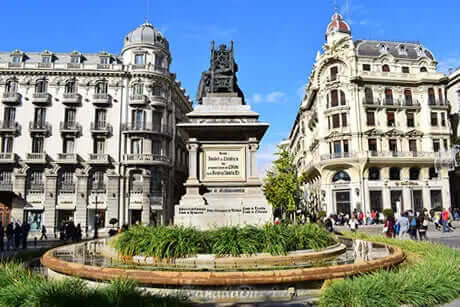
(451, 62)
(273, 97)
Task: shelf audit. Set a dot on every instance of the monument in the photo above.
(222, 136)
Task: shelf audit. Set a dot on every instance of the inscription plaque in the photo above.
(224, 164)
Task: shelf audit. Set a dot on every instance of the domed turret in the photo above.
(337, 28)
(146, 34)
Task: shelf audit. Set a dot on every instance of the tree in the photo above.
(281, 185)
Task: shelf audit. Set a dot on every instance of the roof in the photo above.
(337, 24)
(59, 57)
(404, 50)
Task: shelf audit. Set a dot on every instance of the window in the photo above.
(436, 199)
(97, 180)
(345, 146)
(386, 68)
(11, 86)
(136, 146)
(100, 118)
(70, 87)
(337, 146)
(374, 173)
(137, 117)
(410, 119)
(334, 71)
(7, 144)
(41, 86)
(342, 98)
(101, 87)
(341, 176)
(414, 173)
(367, 67)
(138, 89)
(75, 59)
(368, 95)
(139, 59)
(372, 145)
(405, 69)
(38, 144)
(6, 177)
(443, 119)
(395, 173)
(159, 61)
(335, 121)
(393, 145)
(17, 59)
(431, 98)
(99, 145)
(9, 116)
(423, 69)
(158, 90)
(34, 219)
(408, 97)
(105, 60)
(441, 99)
(446, 144)
(434, 119)
(156, 120)
(390, 119)
(69, 145)
(413, 145)
(432, 173)
(389, 96)
(70, 117)
(155, 184)
(344, 119)
(156, 147)
(436, 145)
(370, 115)
(46, 59)
(334, 98)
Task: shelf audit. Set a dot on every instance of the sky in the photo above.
(275, 41)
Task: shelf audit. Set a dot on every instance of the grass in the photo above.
(433, 279)
(178, 242)
(19, 287)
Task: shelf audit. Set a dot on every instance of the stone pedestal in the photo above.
(223, 188)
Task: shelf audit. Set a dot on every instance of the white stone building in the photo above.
(372, 125)
(453, 96)
(84, 134)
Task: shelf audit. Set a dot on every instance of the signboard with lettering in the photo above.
(224, 164)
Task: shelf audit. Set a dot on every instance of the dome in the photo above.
(146, 34)
(337, 24)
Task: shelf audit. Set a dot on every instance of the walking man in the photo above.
(403, 223)
(445, 219)
(43, 233)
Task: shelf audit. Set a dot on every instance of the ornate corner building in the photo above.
(92, 134)
(373, 129)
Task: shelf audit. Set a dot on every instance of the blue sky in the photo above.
(275, 41)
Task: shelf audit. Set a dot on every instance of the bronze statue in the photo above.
(221, 76)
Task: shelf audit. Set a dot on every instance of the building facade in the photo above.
(85, 135)
(373, 129)
(453, 96)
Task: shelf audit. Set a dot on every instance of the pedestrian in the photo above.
(9, 236)
(2, 234)
(361, 217)
(444, 220)
(403, 224)
(17, 235)
(377, 217)
(423, 228)
(78, 233)
(24, 234)
(373, 217)
(353, 223)
(388, 227)
(437, 221)
(420, 227)
(413, 227)
(43, 233)
(328, 224)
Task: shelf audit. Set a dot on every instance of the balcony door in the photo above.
(70, 116)
(9, 116)
(342, 202)
(101, 117)
(137, 117)
(39, 117)
(37, 144)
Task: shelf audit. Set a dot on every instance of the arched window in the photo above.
(374, 173)
(11, 86)
(395, 173)
(138, 89)
(408, 97)
(432, 173)
(369, 95)
(70, 87)
(386, 68)
(388, 96)
(423, 69)
(41, 86)
(341, 176)
(414, 173)
(431, 98)
(101, 87)
(336, 100)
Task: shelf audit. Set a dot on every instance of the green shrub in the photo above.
(433, 280)
(177, 242)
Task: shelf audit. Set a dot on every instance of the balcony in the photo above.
(44, 65)
(36, 188)
(408, 155)
(161, 69)
(146, 127)
(15, 65)
(70, 127)
(139, 66)
(437, 104)
(7, 157)
(73, 66)
(99, 159)
(41, 98)
(41, 127)
(158, 101)
(369, 101)
(10, 127)
(68, 158)
(138, 100)
(11, 98)
(67, 188)
(410, 103)
(71, 99)
(148, 159)
(103, 66)
(6, 186)
(101, 127)
(37, 158)
(337, 155)
(102, 99)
